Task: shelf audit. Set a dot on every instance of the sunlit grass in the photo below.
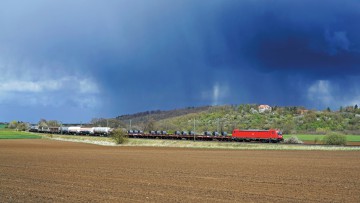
(231, 145)
(307, 137)
(13, 134)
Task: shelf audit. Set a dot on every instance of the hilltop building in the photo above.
(263, 108)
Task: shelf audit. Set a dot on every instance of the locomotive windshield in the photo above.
(279, 133)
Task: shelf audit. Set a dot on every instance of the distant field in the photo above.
(305, 137)
(2, 126)
(11, 134)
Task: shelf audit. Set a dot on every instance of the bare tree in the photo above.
(150, 125)
(42, 123)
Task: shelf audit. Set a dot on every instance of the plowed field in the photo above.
(55, 171)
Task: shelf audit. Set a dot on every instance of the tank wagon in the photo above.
(74, 130)
(102, 130)
(86, 131)
(64, 130)
(34, 128)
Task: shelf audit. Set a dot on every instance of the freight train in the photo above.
(271, 136)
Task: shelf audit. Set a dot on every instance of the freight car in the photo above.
(74, 130)
(86, 131)
(257, 135)
(102, 130)
(63, 130)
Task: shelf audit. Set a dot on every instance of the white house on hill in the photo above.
(263, 108)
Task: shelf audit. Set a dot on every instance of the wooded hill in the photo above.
(292, 119)
(158, 115)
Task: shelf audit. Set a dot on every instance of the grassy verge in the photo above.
(306, 137)
(201, 145)
(11, 134)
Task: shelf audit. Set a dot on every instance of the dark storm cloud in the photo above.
(313, 41)
(304, 37)
(142, 55)
(317, 51)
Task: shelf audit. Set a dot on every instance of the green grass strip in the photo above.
(234, 145)
(12, 134)
(307, 137)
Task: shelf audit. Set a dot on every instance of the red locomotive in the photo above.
(258, 135)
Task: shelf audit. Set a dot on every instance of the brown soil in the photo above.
(54, 171)
(353, 143)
